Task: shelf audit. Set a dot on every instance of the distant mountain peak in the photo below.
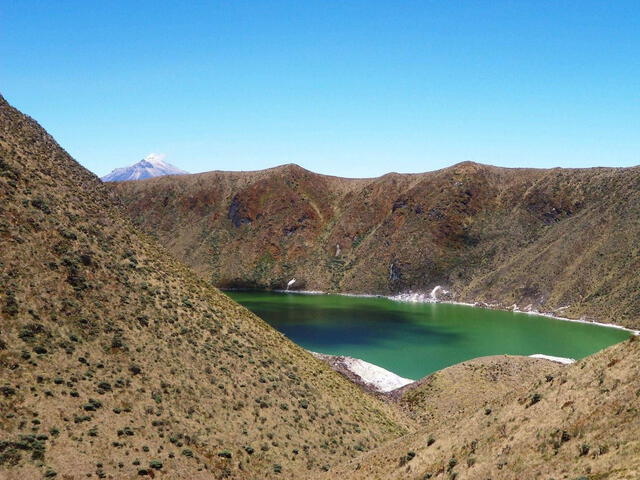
(153, 165)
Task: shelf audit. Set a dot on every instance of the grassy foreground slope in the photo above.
(580, 422)
(444, 397)
(560, 240)
(117, 361)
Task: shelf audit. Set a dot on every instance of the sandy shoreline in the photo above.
(370, 376)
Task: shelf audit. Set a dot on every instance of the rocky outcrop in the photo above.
(237, 213)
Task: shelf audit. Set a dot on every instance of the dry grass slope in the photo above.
(117, 361)
(447, 395)
(581, 422)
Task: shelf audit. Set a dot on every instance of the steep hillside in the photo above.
(581, 422)
(558, 240)
(446, 396)
(118, 362)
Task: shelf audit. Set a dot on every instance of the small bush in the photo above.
(117, 341)
(11, 307)
(41, 205)
(584, 449)
(104, 386)
(407, 458)
(92, 406)
(7, 391)
(224, 454)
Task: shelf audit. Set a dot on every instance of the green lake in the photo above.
(416, 339)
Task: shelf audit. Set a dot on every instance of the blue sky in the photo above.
(351, 88)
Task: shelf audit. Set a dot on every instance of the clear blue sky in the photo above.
(352, 88)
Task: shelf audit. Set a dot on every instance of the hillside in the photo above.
(579, 423)
(560, 240)
(116, 361)
(448, 395)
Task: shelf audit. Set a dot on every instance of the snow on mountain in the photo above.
(153, 165)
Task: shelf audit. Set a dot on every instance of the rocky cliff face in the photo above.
(558, 240)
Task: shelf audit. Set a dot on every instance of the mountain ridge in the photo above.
(551, 240)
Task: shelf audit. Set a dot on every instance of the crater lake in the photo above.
(416, 339)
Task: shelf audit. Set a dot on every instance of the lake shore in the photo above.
(377, 379)
(424, 298)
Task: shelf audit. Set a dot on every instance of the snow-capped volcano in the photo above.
(152, 165)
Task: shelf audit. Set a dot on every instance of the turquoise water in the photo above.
(416, 339)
